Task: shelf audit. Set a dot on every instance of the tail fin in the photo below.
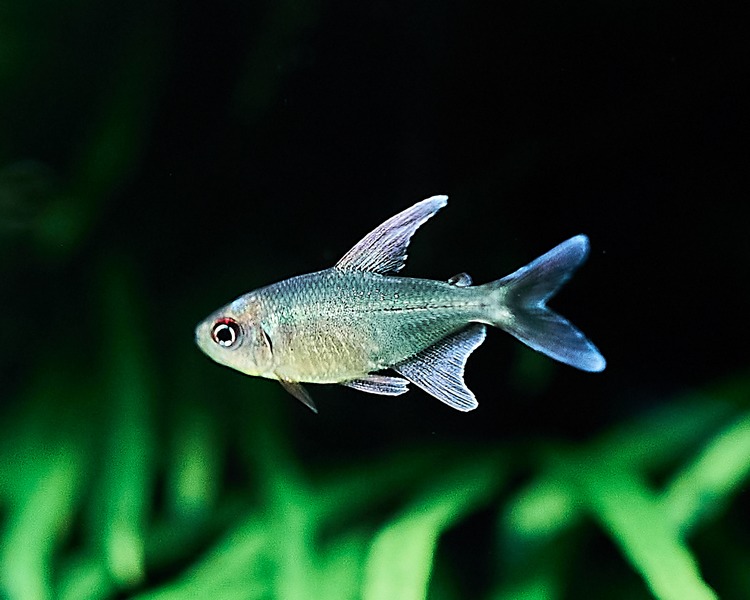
(521, 307)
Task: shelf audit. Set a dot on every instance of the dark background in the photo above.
(241, 143)
(216, 147)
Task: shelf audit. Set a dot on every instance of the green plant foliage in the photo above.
(93, 477)
(400, 559)
(125, 472)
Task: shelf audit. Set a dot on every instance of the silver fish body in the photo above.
(349, 323)
(333, 326)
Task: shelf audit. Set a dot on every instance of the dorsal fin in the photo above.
(461, 280)
(383, 250)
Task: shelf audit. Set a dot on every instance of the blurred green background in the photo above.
(159, 159)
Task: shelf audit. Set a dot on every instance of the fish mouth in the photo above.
(201, 331)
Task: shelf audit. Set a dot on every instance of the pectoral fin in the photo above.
(298, 391)
(383, 250)
(379, 384)
(439, 370)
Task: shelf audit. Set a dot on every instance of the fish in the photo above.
(362, 325)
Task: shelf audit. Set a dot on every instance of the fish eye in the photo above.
(226, 332)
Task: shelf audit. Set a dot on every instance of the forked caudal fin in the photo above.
(520, 307)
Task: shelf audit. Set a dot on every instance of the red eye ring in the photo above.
(226, 332)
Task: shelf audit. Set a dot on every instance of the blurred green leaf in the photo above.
(44, 462)
(34, 527)
(551, 502)
(639, 525)
(85, 578)
(194, 461)
(704, 486)
(128, 463)
(542, 509)
(401, 555)
(664, 435)
(346, 493)
(237, 565)
(606, 476)
(341, 567)
(538, 587)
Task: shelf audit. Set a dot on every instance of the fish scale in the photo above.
(346, 324)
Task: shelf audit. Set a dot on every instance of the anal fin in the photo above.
(439, 369)
(379, 384)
